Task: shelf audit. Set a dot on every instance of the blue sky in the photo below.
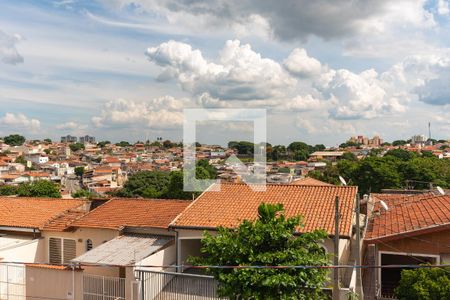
(324, 70)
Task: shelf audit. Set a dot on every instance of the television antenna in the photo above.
(440, 190)
(342, 180)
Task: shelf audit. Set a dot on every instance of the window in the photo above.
(88, 245)
(61, 251)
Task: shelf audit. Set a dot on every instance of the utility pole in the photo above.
(336, 251)
(359, 289)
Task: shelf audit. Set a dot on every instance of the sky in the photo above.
(323, 70)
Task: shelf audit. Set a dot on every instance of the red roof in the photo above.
(33, 212)
(237, 202)
(310, 181)
(120, 212)
(410, 216)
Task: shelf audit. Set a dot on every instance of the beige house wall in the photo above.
(43, 283)
(97, 235)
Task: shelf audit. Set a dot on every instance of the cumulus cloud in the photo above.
(162, 113)
(300, 64)
(301, 82)
(8, 50)
(239, 73)
(20, 122)
(294, 20)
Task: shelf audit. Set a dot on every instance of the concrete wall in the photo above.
(22, 249)
(46, 283)
(97, 235)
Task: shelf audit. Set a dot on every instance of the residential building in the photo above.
(69, 139)
(413, 230)
(87, 139)
(418, 139)
(237, 202)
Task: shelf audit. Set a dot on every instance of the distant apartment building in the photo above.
(376, 141)
(87, 139)
(418, 139)
(69, 139)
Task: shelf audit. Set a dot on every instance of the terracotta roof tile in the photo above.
(33, 212)
(237, 202)
(64, 220)
(310, 181)
(119, 212)
(410, 214)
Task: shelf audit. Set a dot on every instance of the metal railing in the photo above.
(103, 288)
(12, 282)
(159, 285)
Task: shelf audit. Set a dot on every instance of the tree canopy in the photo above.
(392, 171)
(164, 185)
(424, 283)
(14, 140)
(268, 241)
(39, 188)
(76, 147)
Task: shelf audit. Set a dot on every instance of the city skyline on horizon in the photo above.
(126, 69)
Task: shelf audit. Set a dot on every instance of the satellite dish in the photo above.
(384, 205)
(342, 180)
(440, 190)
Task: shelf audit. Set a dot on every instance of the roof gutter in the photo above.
(20, 229)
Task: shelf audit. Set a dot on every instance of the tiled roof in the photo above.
(310, 181)
(64, 220)
(53, 267)
(117, 212)
(420, 213)
(395, 199)
(32, 212)
(237, 202)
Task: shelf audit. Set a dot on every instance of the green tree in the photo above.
(212, 172)
(147, 184)
(296, 146)
(243, 147)
(349, 156)
(175, 187)
(271, 240)
(424, 284)
(21, 160)
(8, 190)
(14, 140)
(399, 143)
(79, 171)
(123, 144)
(39, 188)
(401, 154)
(82, 193)
(102, 144)
(301, 154)
(48, 141)
(76, 147)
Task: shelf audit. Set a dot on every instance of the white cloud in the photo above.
(300, 64)
(239, 74)
(324, 127)
(163, 113)
(443, 8)
(20, 122)
(8, 50)
(70, 126)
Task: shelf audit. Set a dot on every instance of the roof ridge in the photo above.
(415, 201)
